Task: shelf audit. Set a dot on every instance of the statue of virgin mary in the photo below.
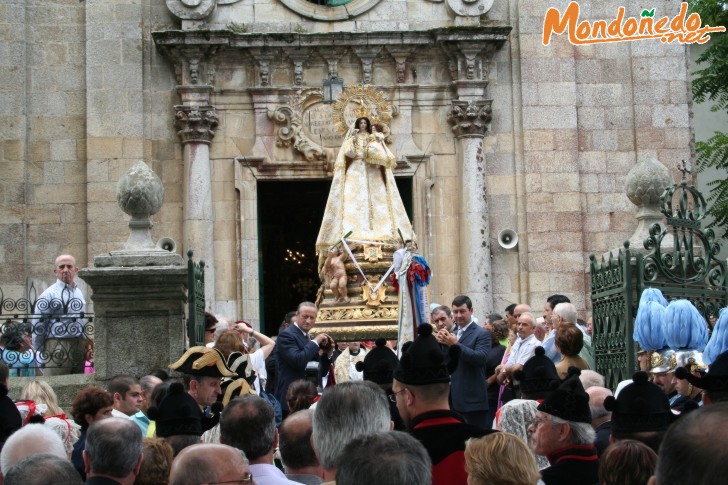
(364, 199)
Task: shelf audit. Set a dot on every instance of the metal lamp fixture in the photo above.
(332, 89)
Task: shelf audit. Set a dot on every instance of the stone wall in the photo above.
(87, 93)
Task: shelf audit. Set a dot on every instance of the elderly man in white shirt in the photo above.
(523, 348)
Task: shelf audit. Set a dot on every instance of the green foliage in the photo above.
(237, 28)
(711, 84)
(300, 29)
(714, 153)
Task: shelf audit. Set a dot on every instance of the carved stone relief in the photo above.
(292, 118)
(465, 60)
(470, 118)
(332, 56)
(195, 9)
(298, 57)
(196, 124)
(192, 65)
(366, 55)
(400, 55)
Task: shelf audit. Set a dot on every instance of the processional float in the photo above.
(374, 284)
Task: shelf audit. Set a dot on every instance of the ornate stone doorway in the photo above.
(289, 217)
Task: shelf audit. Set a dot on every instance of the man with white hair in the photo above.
(30, 440)
(42, 469)
(524, 347)
(562, 431)
(565, 314)
(591, 378)
(344, 412)
(601, 417)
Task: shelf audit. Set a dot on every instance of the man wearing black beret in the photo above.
(563, 433)
(421, 388)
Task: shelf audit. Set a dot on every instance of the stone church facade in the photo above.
(495, 130)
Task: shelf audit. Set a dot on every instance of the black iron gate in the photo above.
(195, 301)
(680, 261)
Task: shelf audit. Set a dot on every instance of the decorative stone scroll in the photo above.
(195, 9)
(470, 118)
(191, 9)
(292, 118)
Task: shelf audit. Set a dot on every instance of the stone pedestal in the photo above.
(139, 320)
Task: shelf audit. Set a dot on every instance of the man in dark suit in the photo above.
(468, 391)
(294, 349)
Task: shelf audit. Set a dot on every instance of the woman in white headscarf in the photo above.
(515, 417)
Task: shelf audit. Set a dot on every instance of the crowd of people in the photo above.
(514, 400)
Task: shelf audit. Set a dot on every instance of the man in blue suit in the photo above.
(294, 349)
(468, 389)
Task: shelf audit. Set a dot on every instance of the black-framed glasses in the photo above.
(246, 479)
(393, 396)
(65, 266)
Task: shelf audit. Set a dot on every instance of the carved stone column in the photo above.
(196, 121)
(469, 120)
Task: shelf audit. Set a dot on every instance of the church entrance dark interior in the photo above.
(289, 215)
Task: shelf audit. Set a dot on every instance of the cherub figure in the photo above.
(335, 273)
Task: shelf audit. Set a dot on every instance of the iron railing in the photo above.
(46, 335)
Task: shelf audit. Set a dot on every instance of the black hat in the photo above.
(179, 414)
(10, 419)
(715, 380)
(203, 362)
(569, 401)
(379, 363)
(640, 406)
(234, 388)
(424, 363)
(538, 376)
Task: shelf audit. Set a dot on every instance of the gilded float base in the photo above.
(368, 314)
